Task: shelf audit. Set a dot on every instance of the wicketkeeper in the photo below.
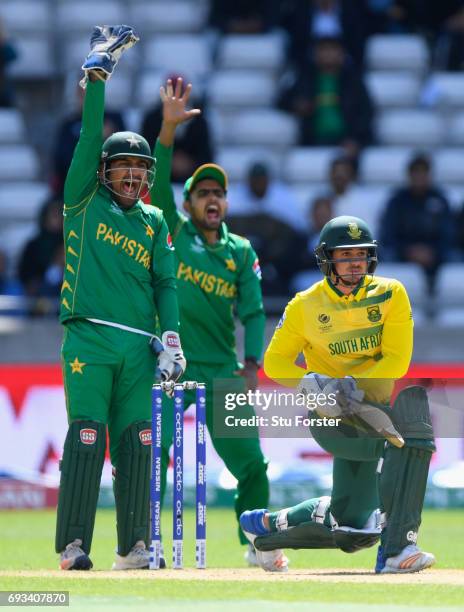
(119, 277)
(355, 330)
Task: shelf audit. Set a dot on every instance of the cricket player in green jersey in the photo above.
(119, 277)
(355, 330)
(216, 271)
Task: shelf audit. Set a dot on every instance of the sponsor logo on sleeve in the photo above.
(169, 242)
(256, 268)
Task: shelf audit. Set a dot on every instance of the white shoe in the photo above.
(411, 559)
(138, 558)
(74, 558)
(250, 556)
(269, 561)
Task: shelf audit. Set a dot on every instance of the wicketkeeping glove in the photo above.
(350, 403)
(107, 44)
(171, 360)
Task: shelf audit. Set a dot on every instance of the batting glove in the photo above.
(171, 360)
(107, 44)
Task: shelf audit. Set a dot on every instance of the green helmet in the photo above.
(345, 232)
(125, 144)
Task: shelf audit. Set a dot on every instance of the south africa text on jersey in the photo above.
(208, 282)
(355, 345)
(133, 248)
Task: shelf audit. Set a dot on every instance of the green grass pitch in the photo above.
(27, 556)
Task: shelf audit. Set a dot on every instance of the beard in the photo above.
(350, 280)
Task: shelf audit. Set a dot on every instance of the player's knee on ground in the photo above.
(132, 486)
(81, 468)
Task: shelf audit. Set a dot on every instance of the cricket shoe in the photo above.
(138, 558)
(269, 561)
(411, 559)
(250, 556)
(74, 558)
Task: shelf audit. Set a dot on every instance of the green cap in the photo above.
(206, 171)
(346, 232)
(125, 144)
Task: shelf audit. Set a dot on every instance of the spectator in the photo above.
(449, 48)
(307, 20)
(192, 146)
(341, 176)
(68, 135)
(243, 16)
(320, 211)
(258, 211)
(262, 194)
(41, 262)
(331, 100)
(417, 222)
(8, 54)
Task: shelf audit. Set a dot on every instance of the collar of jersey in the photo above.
(336, 294)
(223, 234)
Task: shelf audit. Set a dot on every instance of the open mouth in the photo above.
(212, 213)
(129, 188)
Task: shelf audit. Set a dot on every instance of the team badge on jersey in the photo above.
(373, 314)
(256, 268)
(230, 264)
(169, 242)
(323, 318)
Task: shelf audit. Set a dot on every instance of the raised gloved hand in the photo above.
(107, 44)
(171, 360)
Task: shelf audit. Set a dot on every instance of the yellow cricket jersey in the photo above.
(367, 334)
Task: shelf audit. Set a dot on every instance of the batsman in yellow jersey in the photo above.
(355, 331)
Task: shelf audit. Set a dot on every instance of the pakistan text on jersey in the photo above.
(208, 282)
(356, 345)
(131, 247)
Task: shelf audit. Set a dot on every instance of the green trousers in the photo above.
(355, 492)
(242, 456)
(356, 454)
(108, 375)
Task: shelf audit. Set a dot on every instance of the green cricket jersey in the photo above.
(211, 281)
(119, 264)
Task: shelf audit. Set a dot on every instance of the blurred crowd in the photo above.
(322, 85)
